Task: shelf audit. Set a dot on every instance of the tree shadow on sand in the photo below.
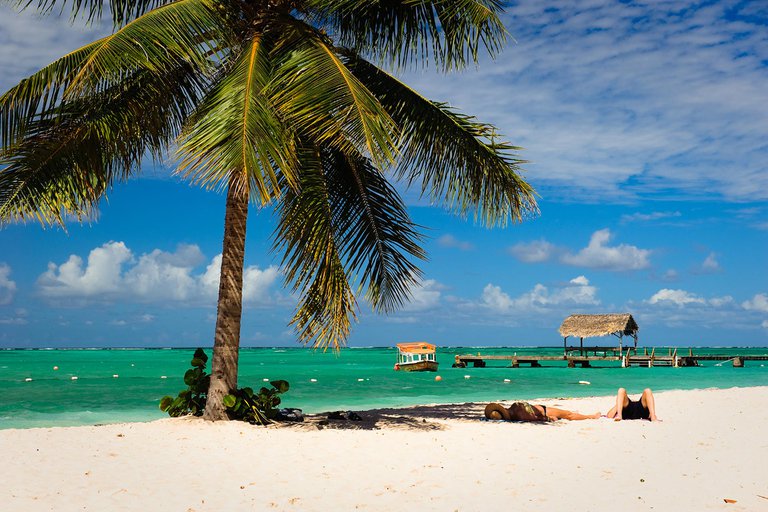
(420, 417)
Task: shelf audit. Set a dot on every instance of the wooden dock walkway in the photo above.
(588, 355)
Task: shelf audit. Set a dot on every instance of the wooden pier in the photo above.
(584, 356)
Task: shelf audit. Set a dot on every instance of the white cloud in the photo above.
(599, 255)
(533, 252)
(452, 242)
(424, 296)
(101, 275)
(155, 276)
(757, 303)
(577, 291)
(7, 287)
(676, 297)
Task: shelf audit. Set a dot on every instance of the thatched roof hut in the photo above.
(588, 326)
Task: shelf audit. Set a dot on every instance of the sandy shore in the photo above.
(710, 447)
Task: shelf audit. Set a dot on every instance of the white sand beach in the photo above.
(709, 448)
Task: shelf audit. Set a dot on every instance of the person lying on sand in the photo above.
(523, 411)
(626, 409)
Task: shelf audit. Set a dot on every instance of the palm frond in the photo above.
(38, 93)
(184, 30)
(456, 160)
(235, 130)
(317, 95)
(69, 158)
(306, 234)
(345, 228)
(376, 235)
(406, 32)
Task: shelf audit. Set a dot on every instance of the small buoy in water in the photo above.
(73, 378)
(133, 364)
(114, 376)
(507, 380)
(27, 380)
(438, 378)
(360, 380)
(55, 367)
(163, 377)
(312, 380)
(265, 380)
(585, 382)
(467, 376)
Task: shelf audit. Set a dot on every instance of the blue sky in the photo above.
(645, 125)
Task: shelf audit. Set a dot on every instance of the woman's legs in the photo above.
(649, 403)
(622, 400)
(562, 414)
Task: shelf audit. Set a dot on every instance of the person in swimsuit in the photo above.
(523, 411)
(626, 409)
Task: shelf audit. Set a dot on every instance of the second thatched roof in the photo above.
(587, 326)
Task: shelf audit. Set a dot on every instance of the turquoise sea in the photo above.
(354, 379)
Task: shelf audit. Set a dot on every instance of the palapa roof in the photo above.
(587, 326)
(416, 347)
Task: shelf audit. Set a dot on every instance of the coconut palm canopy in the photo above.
(588, 326)
(276, 102)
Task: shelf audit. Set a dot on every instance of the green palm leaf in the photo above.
(184, 30)
(449, 32)
(458, 161)
(317, 95)
(70, 156)
(236, 131)
(347, 225)
(312, 259)
(38, 93)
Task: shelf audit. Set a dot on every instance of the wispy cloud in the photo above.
(648, 217)
(618, 100)
(710, 265)
(450, 241)
(533, 252)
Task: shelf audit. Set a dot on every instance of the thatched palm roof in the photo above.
(587, 326)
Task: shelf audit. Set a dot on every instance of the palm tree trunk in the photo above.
(230, 307)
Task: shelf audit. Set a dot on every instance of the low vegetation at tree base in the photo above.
(242, 404)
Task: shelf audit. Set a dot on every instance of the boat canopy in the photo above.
(416, 347)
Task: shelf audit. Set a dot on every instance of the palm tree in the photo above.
(276, 102)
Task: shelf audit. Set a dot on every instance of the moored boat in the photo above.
(416, 356)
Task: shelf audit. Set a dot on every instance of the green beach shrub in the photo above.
(191, 400)
(257, 408)
(244, 405)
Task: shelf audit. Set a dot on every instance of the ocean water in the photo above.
(354, 379)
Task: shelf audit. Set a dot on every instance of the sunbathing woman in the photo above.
(523, 411)
(626, 409)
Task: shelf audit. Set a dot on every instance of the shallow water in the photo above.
(357, 378)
